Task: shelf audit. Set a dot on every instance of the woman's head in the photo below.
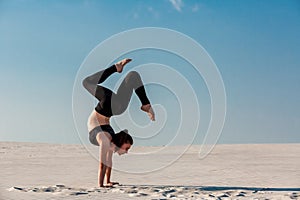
(123, 142)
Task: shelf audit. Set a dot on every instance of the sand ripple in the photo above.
(168, 192)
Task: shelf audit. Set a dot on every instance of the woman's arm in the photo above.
(109, 166)
(101, 174)
(103, 162)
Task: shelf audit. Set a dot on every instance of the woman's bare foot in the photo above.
(148, 109)
(119, 65)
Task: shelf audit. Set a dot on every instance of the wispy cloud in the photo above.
(177, 4)
(143, 11)
(195, 8)
(135, 15)
(153, 12)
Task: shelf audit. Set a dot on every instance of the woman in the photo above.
(110, 104)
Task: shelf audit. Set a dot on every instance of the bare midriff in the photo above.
(103, 120)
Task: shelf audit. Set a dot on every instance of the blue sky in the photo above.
(255, 45)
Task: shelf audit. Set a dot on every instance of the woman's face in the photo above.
(124, 149)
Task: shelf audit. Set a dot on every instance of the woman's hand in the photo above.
(111, 184)
(106, 186)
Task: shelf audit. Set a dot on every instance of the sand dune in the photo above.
(53, 171)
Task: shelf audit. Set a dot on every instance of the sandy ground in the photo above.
(54, 171)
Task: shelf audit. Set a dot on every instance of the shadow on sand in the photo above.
(217, 188)
(220, 188)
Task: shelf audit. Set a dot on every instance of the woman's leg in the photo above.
(121, 100)
(91, 83)
(103, 94)
(115, 104)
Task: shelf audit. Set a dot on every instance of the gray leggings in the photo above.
(111, 103)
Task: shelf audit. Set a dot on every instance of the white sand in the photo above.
(52, 171)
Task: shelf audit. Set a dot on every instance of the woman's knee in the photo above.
(133, 75)
(88, 86)
(85, 83)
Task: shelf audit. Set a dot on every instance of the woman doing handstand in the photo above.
(110, 104)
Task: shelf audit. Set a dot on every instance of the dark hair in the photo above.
(121, 138)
